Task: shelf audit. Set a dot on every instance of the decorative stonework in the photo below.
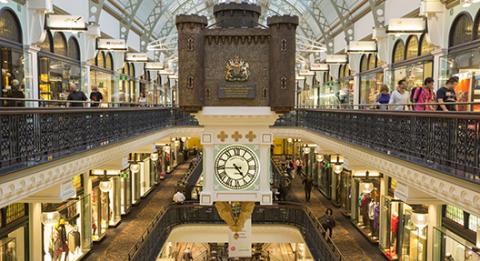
(236, 136)
(15, 187)
(441, 186)
(222, 136)
(250, 136)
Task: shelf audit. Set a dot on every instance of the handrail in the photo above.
(38, 103)
(29, 137)
(190, 179)
(448, 142)
(287, 213)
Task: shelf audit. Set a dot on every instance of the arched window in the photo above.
(461, 30)
(109, 61)
(10, 26)
(364, 63)
(372, 61)
(412, 47)
(100, 59)
(347, 71)
(341, 72)
(425, 47)
(47, 44)
(398, 51)
(60, 44)
(125, 69)
(476, 33)
(132, 71)
(73, 48)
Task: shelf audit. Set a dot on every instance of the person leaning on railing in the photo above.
(76, 95)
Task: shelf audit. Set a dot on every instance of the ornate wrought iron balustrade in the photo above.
(285, 214)
(29, 137)
(447, 142)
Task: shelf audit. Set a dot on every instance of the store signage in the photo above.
(407, 25)
(362, 47)
(136, 57)
(240, 243)
(166, 72)
(173, 77)
(154, 66)
(112, 44)
(319, 67)
(70, 23)
(67, 190)
(336, 59)
(124, 175)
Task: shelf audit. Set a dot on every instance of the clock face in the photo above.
(236, 167)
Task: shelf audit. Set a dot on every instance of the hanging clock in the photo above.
(236, 167)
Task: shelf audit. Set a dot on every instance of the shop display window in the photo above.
(8, 249)
(449, 246)
(101, 75)
(100, 213)
(114, 202)
(59, 68)
(13, 235)
(414, 74)
(63, 239)
(461, 31)
(464, 224)
(413, 237)
(344, 191)
(346, 81)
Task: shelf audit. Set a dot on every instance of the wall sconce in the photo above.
(367, 187)
(420, 220)
(320, 157)
(134, 167)
(50, 218)
(289, 140)
(154, 156)
(105, 185)
(338, 168)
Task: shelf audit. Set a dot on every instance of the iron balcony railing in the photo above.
(156, 234)
(447, 142)
(30, 136)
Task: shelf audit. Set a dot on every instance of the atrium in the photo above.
(235, 130)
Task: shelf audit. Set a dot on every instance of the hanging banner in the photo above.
(240, 243)
(112, 44)
(136, 57)
(70, 23)
(154, 66)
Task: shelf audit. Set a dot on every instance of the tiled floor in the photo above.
(352, 244)
(119, 240)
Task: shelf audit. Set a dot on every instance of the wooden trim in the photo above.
(23, 221)
(459, 230)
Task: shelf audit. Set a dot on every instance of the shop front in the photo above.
(126, 86)
(101, 75)
(346, 82)
(324, 176)
(463, 60)
(412, 61)
(403, 227)
(59, 66)
(11, 53)
(66, 226)
(14, 232)
(457, 237)
(371, 79)
(100, 209)
(328, 92)
(144, 176)
(366, 187)
(344, 192)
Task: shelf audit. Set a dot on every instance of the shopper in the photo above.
(15, 93)
(424, 96)
(299, 165)
(328, 222)
(142, 100)
(96, 97)
(383, 97)
(308, 184)
(400, 97)
(447, 94)
(76, 95)
(288, 168)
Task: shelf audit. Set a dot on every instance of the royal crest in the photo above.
(237, 70)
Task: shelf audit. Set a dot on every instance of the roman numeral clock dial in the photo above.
(236, 167)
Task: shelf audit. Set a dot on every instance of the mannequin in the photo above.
(365, 201)
(74, 240)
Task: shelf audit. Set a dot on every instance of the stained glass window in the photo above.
(399, 52)
(9, 26)
(412, 47)
(461, 30)
(454, 214)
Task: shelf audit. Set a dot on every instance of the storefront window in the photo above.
(398, 51)
(371, 79)
(425, 47)
(101, 75)
(58, 69)
(100, 211)
(412, 47)
(11, 55)
(462, 30)
(366, 195)
(14, 227)
(126, 91)
(329, 91)
(449, 246)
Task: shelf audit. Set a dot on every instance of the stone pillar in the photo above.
(35, 231)
(383, 192)
(31, 74)
(434, 220)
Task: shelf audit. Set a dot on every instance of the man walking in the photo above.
(400, 97)
(447, 95)
(96, 97)
(308, 183)
(76, 95)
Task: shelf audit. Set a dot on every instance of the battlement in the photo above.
(192, 19)
(282, 19)
(236, 15)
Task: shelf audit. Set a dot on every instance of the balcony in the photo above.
(446, 142)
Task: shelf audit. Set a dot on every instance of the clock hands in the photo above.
(238, 169)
